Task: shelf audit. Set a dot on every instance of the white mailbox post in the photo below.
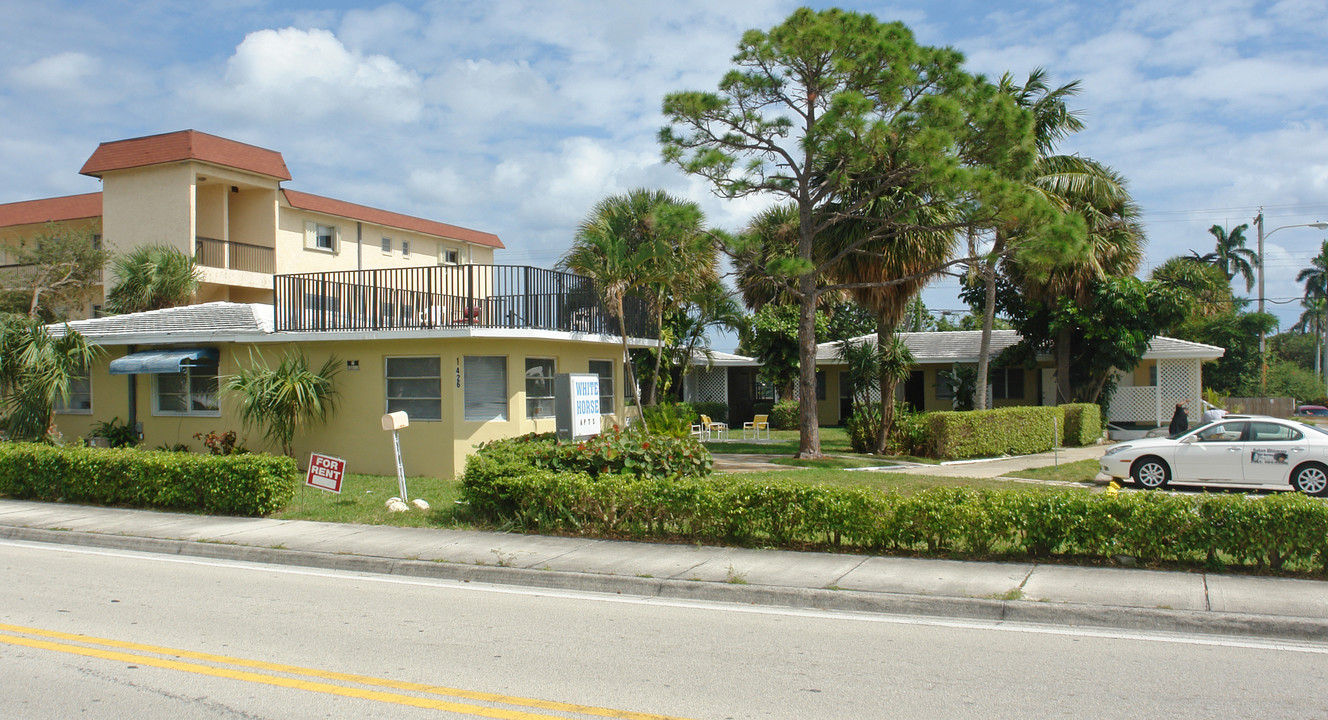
(394, 421)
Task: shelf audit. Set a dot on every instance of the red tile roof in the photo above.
(184, 145)
(56, 209)
(315, 203)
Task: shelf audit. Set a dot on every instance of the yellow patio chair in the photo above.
(713, 428)
(756, 425)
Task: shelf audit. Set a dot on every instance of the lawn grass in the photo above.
(1082, 471)
(363, 500)
(781, 442)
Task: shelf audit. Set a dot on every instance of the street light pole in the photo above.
(1258, 222)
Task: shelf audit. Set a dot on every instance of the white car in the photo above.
(1247, 451)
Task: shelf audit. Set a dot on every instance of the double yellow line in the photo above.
(371, 688)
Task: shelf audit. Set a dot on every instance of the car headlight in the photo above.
(1118, 448)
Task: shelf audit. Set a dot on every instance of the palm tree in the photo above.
(36, 369)
(1315, 276)
(1315, 300)
(1206, 289)
(628, 245)
(285, 398)
(1231, 255)
(1055, 177)
(1314, 319)
(1115, 240)
(151, 277)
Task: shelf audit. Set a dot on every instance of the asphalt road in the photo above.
(175, 637)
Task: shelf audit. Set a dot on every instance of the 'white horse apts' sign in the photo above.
(576, 405)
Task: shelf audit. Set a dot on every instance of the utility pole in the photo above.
(1263, 355)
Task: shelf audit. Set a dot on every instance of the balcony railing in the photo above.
(486, 296)
(232, 255)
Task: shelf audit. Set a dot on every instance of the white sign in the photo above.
(325, 472)
(585, 405)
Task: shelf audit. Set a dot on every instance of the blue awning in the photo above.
(163, 361)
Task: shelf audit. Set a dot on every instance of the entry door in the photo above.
(1048, 386)
(1216, 457)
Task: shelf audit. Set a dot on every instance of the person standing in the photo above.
(1212, 415)
(1180, 422)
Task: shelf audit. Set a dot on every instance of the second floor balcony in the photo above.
(231, 255)
(482, 296)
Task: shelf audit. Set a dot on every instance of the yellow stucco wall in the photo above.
(366, 252)
(354, 432)
(146, 206)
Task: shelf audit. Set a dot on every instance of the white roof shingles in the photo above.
(190, 323)
(962, 347)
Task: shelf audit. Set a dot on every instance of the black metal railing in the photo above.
(234, 255)
(487, 296)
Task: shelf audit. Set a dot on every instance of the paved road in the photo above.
(513, 652)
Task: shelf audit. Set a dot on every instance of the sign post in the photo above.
(325, 472)
(395, 421)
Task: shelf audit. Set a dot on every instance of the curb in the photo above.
(990, 610)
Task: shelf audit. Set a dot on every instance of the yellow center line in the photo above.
(309, 672)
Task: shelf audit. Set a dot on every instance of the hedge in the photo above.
(1083, 424)
(1002, 431)
(1287, 531)
(224, 485)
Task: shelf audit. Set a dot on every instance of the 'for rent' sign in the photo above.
(325, 472)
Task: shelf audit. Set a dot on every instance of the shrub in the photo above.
(784, 415)
(613, 451)
(979, 433)
(672, 419)
(117, 434)
(718, 411)
(862, 427)
(910, 432)
(1279, 532)
(232, 485)
(1083, 424)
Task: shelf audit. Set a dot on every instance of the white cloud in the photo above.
(65, 72)
(307, 75)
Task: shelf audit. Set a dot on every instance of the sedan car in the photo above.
(1245, 451)
(1312, 411)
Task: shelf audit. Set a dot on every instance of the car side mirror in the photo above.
(1190, 439)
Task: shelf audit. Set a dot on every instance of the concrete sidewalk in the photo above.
(1013, 592)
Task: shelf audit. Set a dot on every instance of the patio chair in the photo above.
(756, 425)
(699, 432)
(713, 428)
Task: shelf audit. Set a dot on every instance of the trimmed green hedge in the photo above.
(1286, 531)
(1002, 431)
(224, 485)
(613, 451)
(1083, 424)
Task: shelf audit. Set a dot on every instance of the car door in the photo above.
(1214, 455)
(1271, 450)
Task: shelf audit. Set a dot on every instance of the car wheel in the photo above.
(1150, 473)
(1311, 479)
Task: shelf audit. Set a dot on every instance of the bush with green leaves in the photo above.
(862, 426)
(223, 485)
(1083, 424)
(672, 419)
(784, 415)
(909, 432)
(1283, 532)
(718, 411)
(117, 434)
(612, 451)
(1002, 431)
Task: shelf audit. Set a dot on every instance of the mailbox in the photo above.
(395, 420)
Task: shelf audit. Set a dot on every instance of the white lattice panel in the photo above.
(712, 385)
(1134, 404)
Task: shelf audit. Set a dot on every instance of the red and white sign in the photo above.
(325, 472)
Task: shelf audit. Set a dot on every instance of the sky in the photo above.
(517, 117)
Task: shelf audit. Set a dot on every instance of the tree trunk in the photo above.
(984, 347)
(809, 445)
(627, 369)
(886, 386)
(1063, 366)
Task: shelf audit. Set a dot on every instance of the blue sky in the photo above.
(516, 117)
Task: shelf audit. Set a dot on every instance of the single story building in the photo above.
(1169, 372)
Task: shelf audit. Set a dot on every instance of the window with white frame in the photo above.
(80, 397)
(325, 237)
(539, 387)
(415, 387)
(604, 369)
(190, 392)
(448, 256)
(405, 248)
(485, 388)
(387, 246)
